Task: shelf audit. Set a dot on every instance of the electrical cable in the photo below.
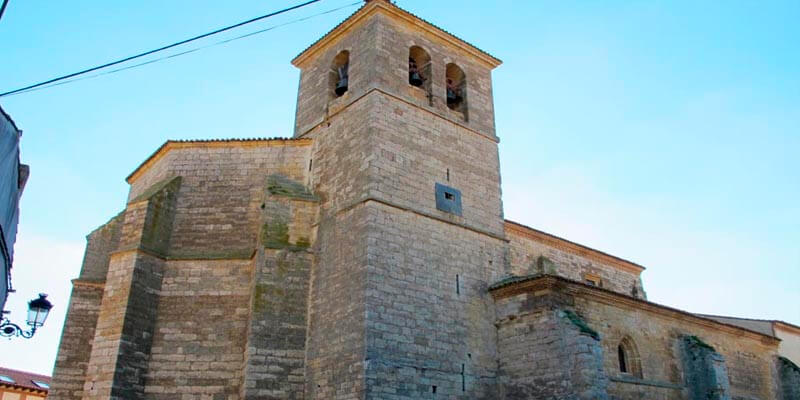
(227, 28)
(22, 91)
(3, 8)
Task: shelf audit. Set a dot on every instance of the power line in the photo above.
(221, 42)
(3, 8)
(227, 28)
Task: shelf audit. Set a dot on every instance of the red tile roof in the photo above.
(23, 379)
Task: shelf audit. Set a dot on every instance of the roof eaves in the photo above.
(576, 244)
(508, 282)
(181, 141)
(496, 60)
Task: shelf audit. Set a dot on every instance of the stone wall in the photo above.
(532, 252)
(389, 263)
(276, 335)
(722, 360)
(221, 191)
(335, 352)
(199, 337)
(704, 370)
(379, 51)
(69, 373)
(168, 286)
(316, 101)
(396, 38)
(546, 351)
(429, 316)
(415, 150)
(658, 332)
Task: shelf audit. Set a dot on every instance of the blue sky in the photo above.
(664, 132)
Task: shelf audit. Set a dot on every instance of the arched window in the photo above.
(419, 68)
(628, 358)
(456, 84)
(339, 75)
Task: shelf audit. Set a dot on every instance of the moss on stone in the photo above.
(275, 235)
(265, 295)
(545, 265)
(279, 185)
(157, 187)
(303, 242)
(695, 341)
(581, 324)
(233, 254)
(789, 364)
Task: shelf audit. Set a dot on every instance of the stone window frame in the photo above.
(628, 353)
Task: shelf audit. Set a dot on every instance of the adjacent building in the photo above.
(368, 257)
(20, 385)
(13, 176)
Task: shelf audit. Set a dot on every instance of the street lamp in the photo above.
(37, 314)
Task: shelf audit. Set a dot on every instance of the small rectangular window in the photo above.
(592, 279)
(448, 199)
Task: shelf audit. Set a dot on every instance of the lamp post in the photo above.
(38, 309)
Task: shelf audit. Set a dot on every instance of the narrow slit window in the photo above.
(623, 363)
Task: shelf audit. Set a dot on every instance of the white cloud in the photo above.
(691, 264)
(46, 265)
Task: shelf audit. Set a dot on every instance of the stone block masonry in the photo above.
(322, 267)
(547, 351)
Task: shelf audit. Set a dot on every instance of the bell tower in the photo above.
(410, 230)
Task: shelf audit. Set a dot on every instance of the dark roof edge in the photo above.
(749, 319)
(8, 117)
(575, 243)
(509, 282)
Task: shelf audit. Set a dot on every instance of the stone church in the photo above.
(367, 257)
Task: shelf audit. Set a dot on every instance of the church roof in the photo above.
(170, 144)
(24, 380)
(371, 6)
(574, 248)
(762, 325)
(514, 285)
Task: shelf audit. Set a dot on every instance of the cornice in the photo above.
(183, 144)
(556, 283)
(397, 13)
(572, 247)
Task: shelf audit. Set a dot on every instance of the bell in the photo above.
(452, 97)
(341, 86)
(415, 80)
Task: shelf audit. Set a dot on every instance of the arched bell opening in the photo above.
(456, 88)
(419, 68)
(339, 77)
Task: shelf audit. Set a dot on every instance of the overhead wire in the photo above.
(146, 53)
(221, 42)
